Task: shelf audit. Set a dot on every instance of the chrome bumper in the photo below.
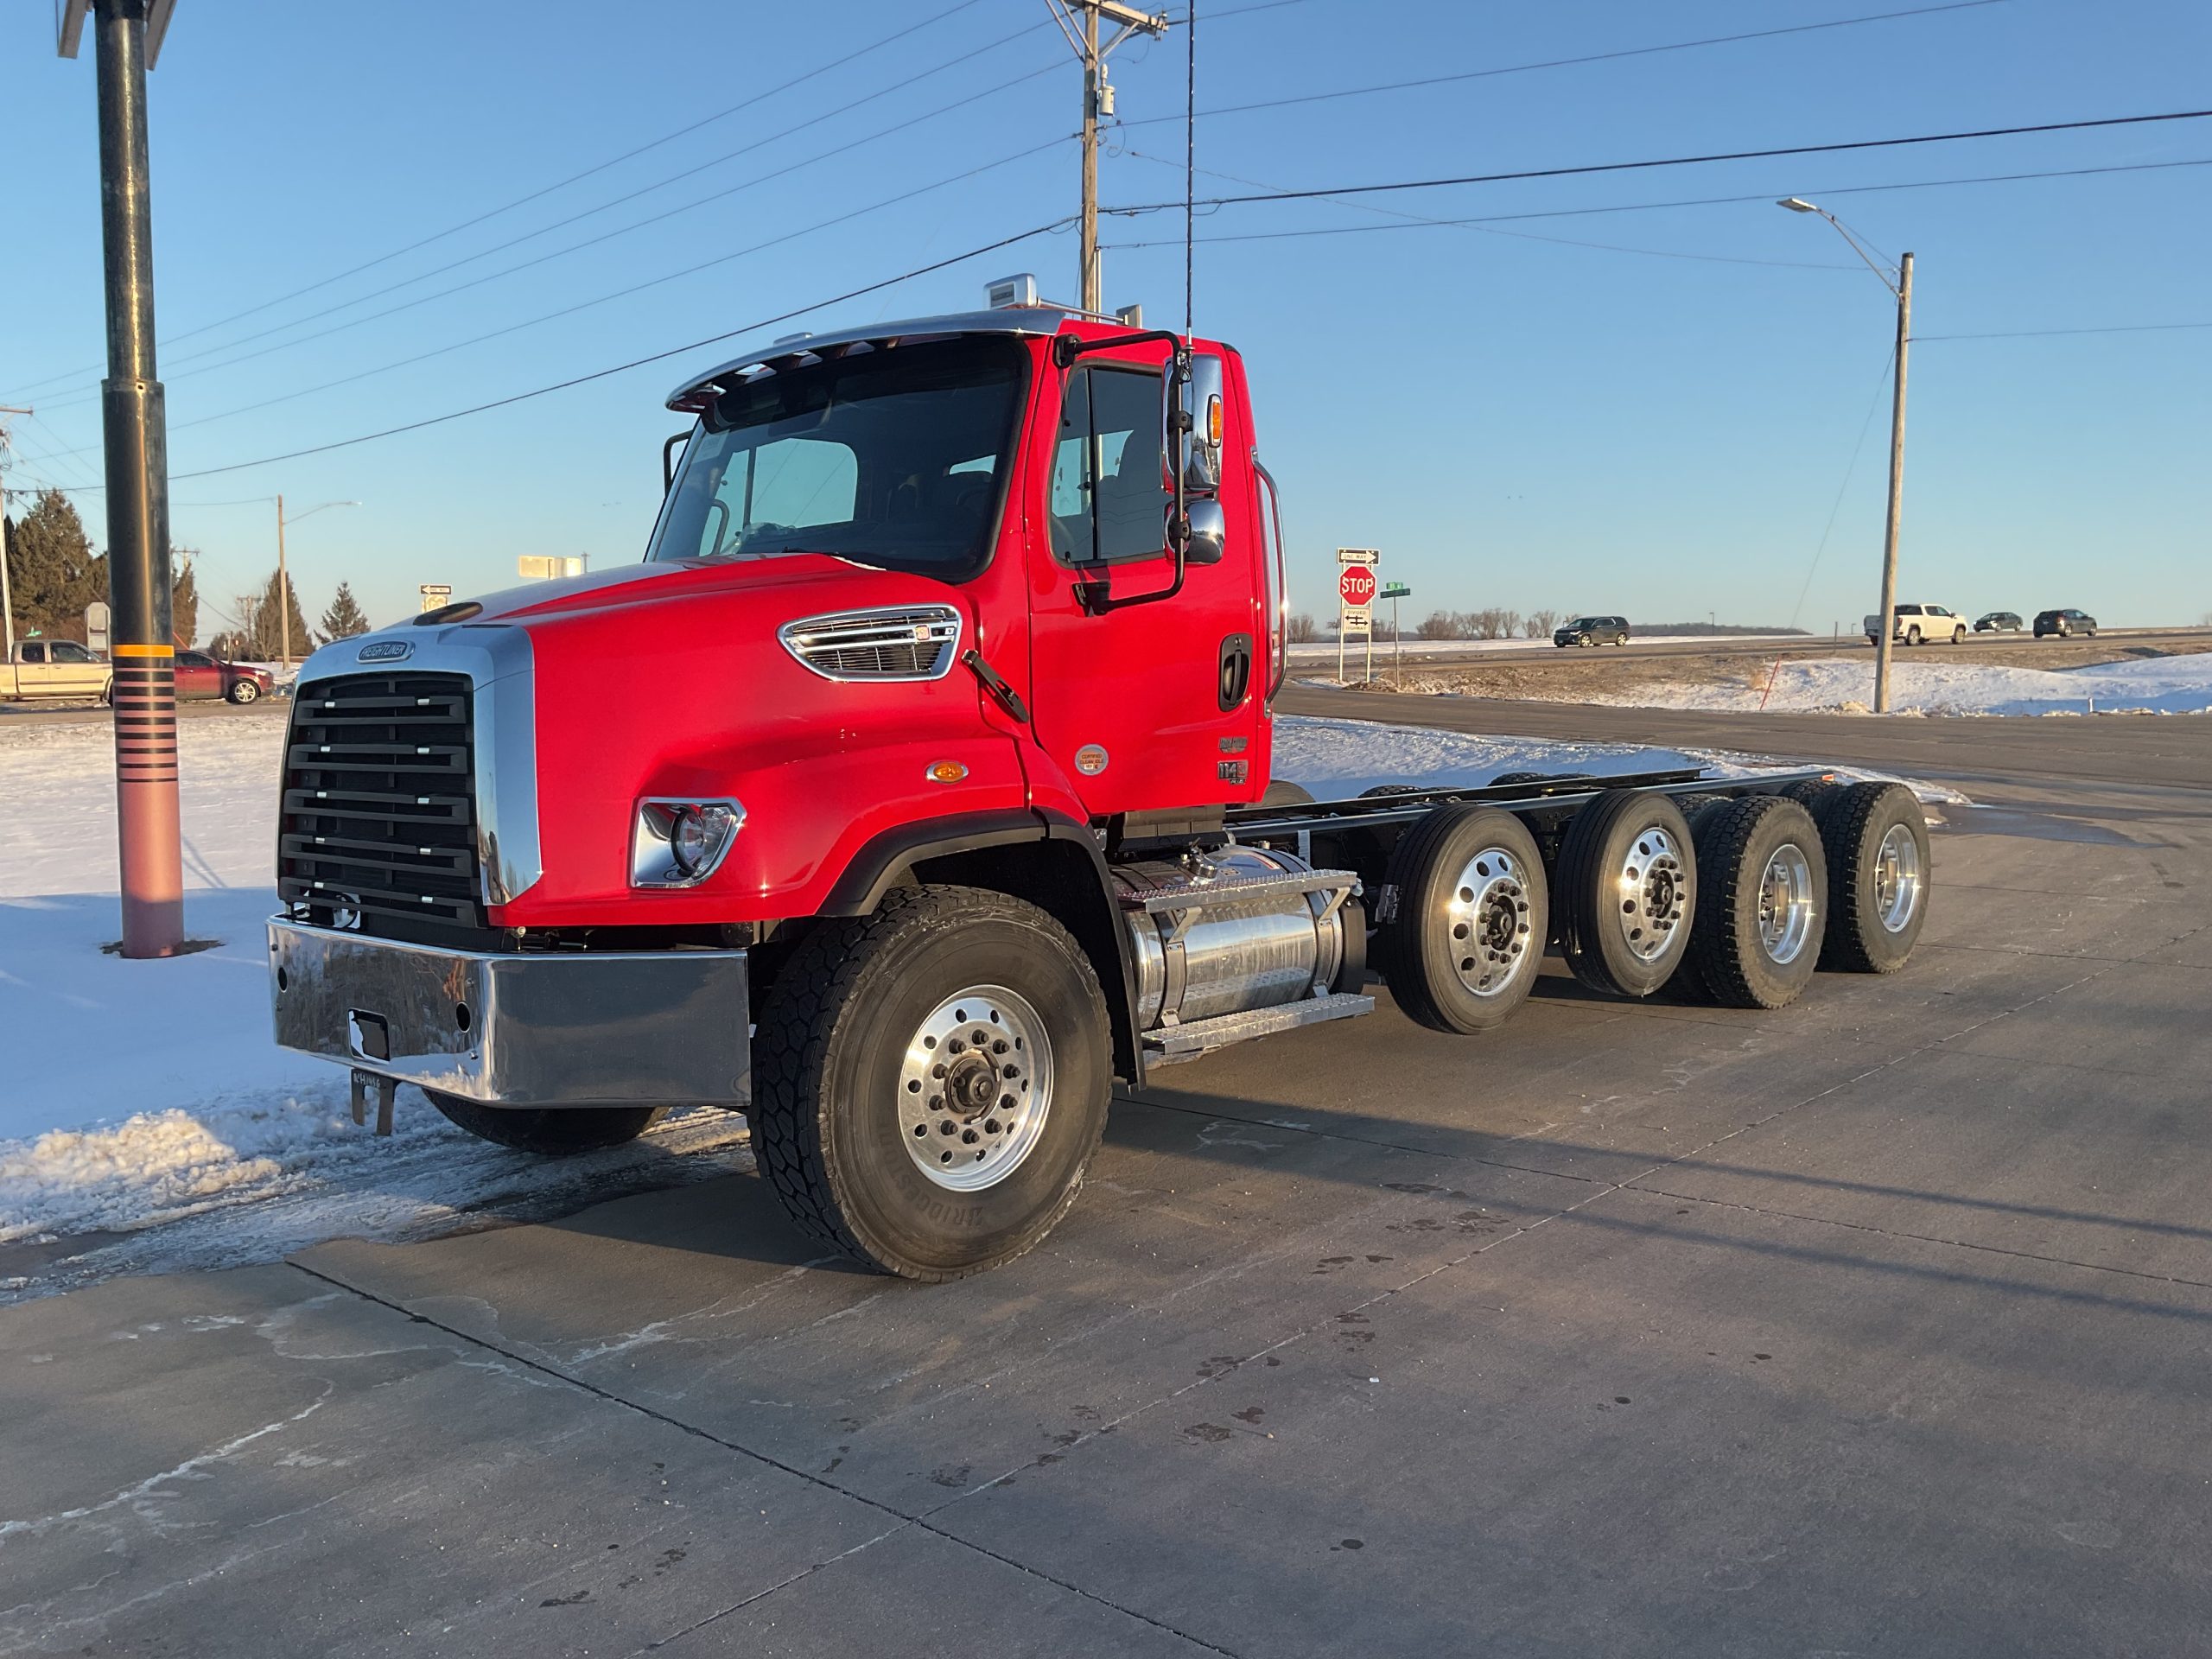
(645, 1028)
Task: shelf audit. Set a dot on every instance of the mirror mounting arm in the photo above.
(1095, 593)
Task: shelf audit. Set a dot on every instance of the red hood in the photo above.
(787, 576)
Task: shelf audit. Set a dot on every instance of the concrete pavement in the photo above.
(1877, 1324)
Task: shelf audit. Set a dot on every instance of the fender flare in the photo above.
(1058, 847)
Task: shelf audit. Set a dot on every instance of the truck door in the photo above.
(1154, 706)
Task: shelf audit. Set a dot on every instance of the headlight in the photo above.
(679, 843)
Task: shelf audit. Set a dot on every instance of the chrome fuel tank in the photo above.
(1234, 929)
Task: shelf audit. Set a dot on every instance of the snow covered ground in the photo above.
(147, 1120)
(2162, 685)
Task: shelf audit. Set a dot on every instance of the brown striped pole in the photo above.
(136, 431)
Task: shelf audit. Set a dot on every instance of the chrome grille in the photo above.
(379, 802)
(894, 643)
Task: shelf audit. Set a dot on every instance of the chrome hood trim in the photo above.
(499, 666)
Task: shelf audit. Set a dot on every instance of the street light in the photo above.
(1899, 283)
(283, 582)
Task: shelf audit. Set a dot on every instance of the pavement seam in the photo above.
(900, 1516)
(1921, 1238)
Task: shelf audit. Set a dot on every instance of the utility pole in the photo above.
(283, 577)
(284, 591)
(1078, 20)
(127, 35)
(1883, 648)
(7, 594)
(1899, 281)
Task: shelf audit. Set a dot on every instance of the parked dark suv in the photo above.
(1998, 622)
(2064, 624)
(1592, 631)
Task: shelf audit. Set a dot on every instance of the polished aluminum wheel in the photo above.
(1486, 916)
(1788, 904)
(1655, 889)
(1897, 879)
(976, 1088)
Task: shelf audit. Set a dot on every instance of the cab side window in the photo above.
(68, 650)
(33, 652)
(1110, 501)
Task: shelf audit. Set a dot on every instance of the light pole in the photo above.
(283, 581)
(1899, 283)
(127, 39)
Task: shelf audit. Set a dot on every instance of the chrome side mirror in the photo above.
(1191, 417)
(1208, 530)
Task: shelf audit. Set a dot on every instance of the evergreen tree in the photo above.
(268, 638)
(184, 600)
(52, 572)
(345, 618)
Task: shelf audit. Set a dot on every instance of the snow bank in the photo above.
(2161, 685)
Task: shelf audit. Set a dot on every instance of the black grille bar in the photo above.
(379, 802)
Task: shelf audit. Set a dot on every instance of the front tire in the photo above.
(1959, 636)
(551, 1131)
(931, 1081)
(244, 692)
(1464, 946)
(1625, 888)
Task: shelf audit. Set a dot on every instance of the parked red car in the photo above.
(199, 674)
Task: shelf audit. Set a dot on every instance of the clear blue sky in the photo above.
(1662, 432)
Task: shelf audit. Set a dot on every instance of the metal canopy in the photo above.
(801, 351)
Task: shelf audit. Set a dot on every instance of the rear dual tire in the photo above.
(1876, 840)
(1467, 938)
(1761, 903)
(1625, 888)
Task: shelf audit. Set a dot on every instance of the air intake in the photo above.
(895, 643)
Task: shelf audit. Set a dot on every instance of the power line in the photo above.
(902, 197)
(573, 178)
(557, 253)
(1669, 161)
(2048, 333)
(634, 363)
(1566, 63)
(1402, 221)
(1413, 223)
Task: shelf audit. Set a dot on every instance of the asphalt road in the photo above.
(1880, 1325)
(1469, 654)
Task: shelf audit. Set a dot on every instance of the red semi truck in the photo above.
(939, 799)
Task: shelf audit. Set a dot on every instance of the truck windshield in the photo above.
(896, 458)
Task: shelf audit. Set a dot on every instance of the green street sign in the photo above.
(1396, 590)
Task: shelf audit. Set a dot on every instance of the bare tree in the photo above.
(1539, 624)
(1440, 624)
(1301, 629)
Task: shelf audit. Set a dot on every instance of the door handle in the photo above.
(1233, 676)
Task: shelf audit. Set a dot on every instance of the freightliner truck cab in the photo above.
(911, 789)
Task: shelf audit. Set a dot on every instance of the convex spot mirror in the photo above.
(1208, 530)
(1192, 416)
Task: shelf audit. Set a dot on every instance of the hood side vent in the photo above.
(896, 642)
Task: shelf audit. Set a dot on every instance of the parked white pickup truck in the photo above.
(53, 668)
(1918, 625)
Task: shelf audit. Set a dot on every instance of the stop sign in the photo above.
(1357, 583)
